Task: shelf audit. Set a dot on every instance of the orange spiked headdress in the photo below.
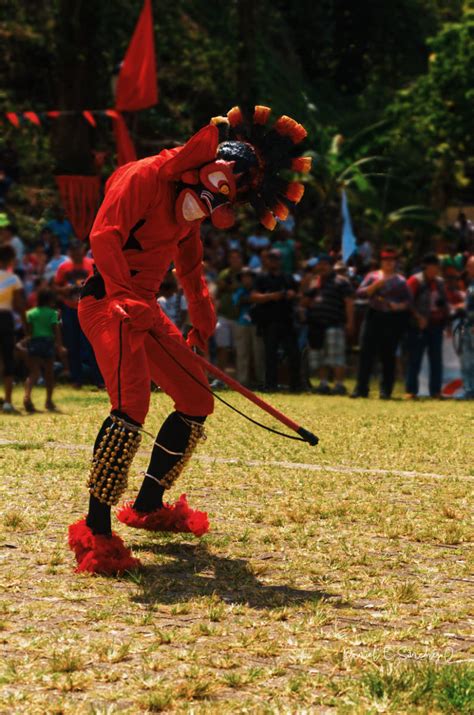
(267, 154)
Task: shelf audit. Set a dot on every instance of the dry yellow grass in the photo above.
(324, 589)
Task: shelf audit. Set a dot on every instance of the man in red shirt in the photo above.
(431, 311)
(68, 280)
(151, 216)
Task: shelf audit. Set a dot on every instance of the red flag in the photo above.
(13, 119)
(33, 117)
(137, 84)
(89, 117)
(80, 199)
(125, 149)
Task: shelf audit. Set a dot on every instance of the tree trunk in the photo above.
(78, 68)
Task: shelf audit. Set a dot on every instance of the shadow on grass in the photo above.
(195, 572)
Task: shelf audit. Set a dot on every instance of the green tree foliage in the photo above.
(366, 71)
(432, 127)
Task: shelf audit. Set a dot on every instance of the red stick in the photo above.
(208, 367)
(213, 370)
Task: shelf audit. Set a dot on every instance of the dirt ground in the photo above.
(335, 579)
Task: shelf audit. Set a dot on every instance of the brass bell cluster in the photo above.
(111, 461)
(196, 434)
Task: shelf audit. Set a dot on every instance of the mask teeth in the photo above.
(268, 220)
(288, 127)
(261, 114)
(235, 117)
(302, 164)
(294, 192)
(281, 211)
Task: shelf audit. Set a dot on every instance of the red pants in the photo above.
(128, 374)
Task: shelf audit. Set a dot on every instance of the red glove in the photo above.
(136, 312)
(203, 319)
(194, 339)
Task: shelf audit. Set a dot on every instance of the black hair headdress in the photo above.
(263, 156)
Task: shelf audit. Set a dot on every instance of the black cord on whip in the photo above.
(221, 399)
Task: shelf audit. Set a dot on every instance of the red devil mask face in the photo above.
(208, 192)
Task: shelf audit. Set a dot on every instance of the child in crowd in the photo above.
(44, 339)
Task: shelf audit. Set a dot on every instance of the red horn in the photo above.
(302, 164)
(294, 192)
(268, 220)
(235, 117)
(261, 114)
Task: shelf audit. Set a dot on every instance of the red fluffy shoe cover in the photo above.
(95, 553)
(177, 517)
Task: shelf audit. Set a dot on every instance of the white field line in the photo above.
(338, 469)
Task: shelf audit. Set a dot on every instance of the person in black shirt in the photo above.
(274, 296)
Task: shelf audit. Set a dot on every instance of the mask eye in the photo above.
(215, 177)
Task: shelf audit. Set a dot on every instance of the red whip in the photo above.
(304, 434)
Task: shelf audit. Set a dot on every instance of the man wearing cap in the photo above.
(330, 311)
(385, 322)
(275, 293)
(431, 311)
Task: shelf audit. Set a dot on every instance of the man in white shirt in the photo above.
(11, 298)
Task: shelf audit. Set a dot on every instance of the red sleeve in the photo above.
(413, 285)
(129, 195)
(59, 277)
(188, 262)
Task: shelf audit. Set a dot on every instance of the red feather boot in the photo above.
(99, 554)
(177, 517)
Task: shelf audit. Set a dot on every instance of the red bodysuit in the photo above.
(134, 239)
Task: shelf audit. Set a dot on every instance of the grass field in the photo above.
(335, 579)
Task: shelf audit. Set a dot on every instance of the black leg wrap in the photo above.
(98, 517)
(114, 450)
(174, 445)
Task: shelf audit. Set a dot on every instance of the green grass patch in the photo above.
(447, 688)
(319, 587)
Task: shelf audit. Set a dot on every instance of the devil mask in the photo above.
(208, 192)
(212, 190)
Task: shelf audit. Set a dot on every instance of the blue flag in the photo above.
(348, 238)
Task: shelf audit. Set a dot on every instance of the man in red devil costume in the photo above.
(151, 217)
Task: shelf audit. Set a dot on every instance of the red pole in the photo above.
(208, 367)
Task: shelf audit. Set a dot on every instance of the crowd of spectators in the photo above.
(284, 315)
(40, 333)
